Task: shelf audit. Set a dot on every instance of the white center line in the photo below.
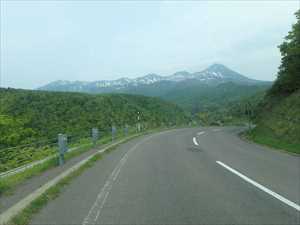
(202, 132)
(95, 210)
(261, 187)
(195, 141)
(215, 130)
(98, 205)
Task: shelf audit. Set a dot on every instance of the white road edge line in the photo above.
(261, 187)
(195, 141)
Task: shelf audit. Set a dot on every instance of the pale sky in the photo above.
(72, 40)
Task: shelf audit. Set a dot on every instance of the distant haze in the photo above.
(94, 40)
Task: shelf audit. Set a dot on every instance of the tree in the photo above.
(288, 80)
(13, 131)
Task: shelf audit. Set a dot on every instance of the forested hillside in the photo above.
(196, 98)
(209, 90)
(233, 112)
(26, 116)
(278, 116)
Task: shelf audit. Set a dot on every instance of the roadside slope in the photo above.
(278, 123)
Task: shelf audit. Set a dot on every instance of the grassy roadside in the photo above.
(35, 206)
(8, 184)
(278, 123)
(270, 140)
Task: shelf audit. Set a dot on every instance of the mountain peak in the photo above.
(217, 67)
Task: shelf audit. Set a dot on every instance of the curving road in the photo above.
(184, 176)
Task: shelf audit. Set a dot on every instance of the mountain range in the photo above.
(213, 75)
(209, 89)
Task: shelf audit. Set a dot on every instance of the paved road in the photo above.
(173, 178)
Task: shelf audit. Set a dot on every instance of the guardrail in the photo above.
(19, 158)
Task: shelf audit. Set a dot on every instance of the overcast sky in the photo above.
(72, 40)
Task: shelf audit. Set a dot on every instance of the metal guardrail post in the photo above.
(113, 132)
(138, 122)
(95, 135)
(138, 127)
(126, 130)
(61, 149)
(65, 143)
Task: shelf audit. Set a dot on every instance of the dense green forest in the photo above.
(233, 112)
(278, 114)
(195, 97)
(27, 116)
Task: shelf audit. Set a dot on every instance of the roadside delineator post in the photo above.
(126, 130)
(65, 143)
(95, 135)
(113, 132)
(62, 148)
(138, 122)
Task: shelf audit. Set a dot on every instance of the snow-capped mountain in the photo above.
(213, 75)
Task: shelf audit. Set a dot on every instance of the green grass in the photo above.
(278, 123)
(14, 158)
(273, 141)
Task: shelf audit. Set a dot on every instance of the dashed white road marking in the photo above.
(101, 207)
(195, 141)
(215, 130)
(98, 205)
(202, 132)
(261, 187)
(95, 210)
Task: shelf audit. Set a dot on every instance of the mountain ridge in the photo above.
(213, 75)
(209, 89)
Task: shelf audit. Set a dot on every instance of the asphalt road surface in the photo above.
(184, 176)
